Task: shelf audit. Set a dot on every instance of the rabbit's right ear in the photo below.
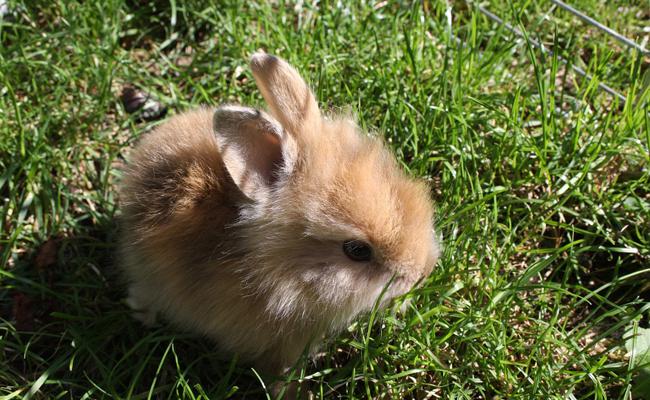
(254, 148)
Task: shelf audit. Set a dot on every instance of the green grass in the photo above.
(541, 183)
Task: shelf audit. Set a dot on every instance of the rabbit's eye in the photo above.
(357, 250)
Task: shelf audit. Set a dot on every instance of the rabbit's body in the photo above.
(268, 233)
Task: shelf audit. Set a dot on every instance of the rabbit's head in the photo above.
(333, 223)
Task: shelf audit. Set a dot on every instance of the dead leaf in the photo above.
(23, 312)
(46, 255)
(147, 107)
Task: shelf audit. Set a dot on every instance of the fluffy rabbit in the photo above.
(267, 232)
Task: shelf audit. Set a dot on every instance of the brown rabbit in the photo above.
(266, 232)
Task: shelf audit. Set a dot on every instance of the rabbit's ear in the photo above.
(253, 147)
(288, 96)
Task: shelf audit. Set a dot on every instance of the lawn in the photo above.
(541, 183)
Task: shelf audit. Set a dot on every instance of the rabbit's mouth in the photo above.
(381, 291)
(398, 286)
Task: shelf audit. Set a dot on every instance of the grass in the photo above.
(541, 183)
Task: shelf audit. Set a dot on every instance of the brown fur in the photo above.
(233, 222)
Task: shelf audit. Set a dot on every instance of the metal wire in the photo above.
(600, 26)
(543, 48)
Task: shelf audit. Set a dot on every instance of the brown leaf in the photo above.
(22, 312)
(138, 101)
(46, 255)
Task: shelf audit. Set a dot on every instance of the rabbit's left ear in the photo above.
(287, 94)
(253, 147)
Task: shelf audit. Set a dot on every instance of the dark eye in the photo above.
(357, 250)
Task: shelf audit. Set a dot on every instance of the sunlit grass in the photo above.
(540, 180)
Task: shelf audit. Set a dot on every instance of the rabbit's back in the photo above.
(177, 203)
(173, 173)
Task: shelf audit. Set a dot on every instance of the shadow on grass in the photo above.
(66, 328)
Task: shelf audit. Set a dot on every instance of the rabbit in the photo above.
(267, 232)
